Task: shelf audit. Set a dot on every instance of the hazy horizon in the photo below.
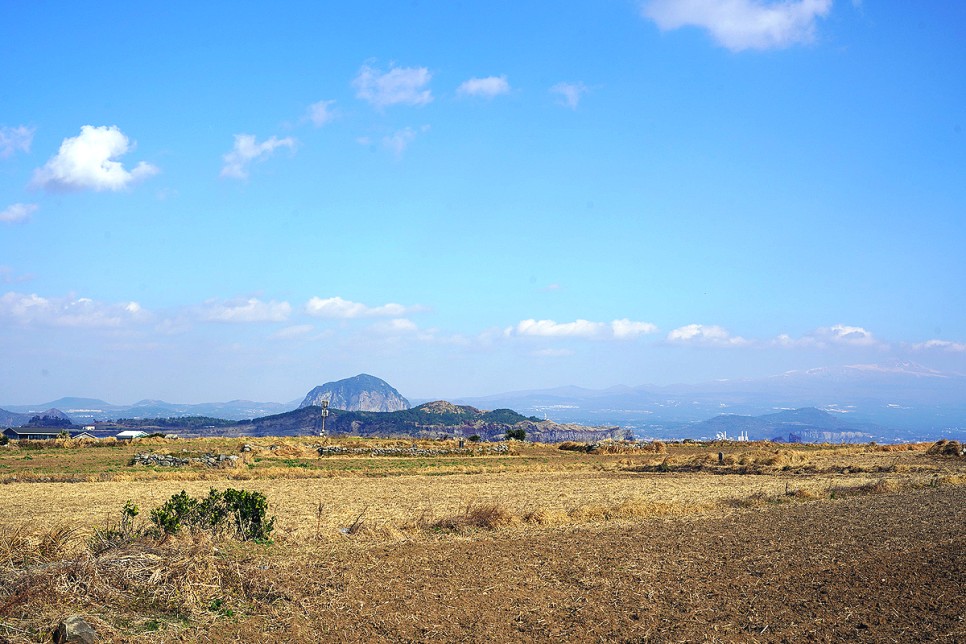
(208, 203)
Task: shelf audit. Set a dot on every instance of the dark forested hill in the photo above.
(431, 420)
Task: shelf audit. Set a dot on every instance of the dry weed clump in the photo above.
(477, 516)
(178, 579)
(902, 447)
(879, 486)
(20, 547)
(947, 448)
(127, 569)
(63, 443)
(615, 447)
(494, 516)
(778, 459)
(627, 509)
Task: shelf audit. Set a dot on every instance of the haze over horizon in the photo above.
(216, 202)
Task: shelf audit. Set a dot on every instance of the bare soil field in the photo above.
(763, 543)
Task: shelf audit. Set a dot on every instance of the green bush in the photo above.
(516, 434)
(238, 510)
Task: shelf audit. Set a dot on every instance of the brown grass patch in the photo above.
(338, 529)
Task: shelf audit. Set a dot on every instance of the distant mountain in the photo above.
(13, 419)
(794, 425)
(359, 393)
(88, 410)
(431, 420)
(907, 400)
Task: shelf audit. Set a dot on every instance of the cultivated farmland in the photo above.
(400, 541)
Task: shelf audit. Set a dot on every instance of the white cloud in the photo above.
(88, 161)
(785, 340)
(488, 87)
(396, 325)
(18, 212)
(570, 93)
(250, 310)
(704, 334)
(843, 334)
(551, 329)
(68, 311)
(13, 139)
(321, 113)
(822, 338)
(398, 86)
(620, 329)
(941, 345)
(625, 328)
(247, 149)
(742, 24)
(336, 307)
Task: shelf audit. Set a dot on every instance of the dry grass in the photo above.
(350, 515)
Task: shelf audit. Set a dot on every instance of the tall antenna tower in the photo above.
(325, 412)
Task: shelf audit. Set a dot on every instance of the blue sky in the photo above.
(209, 201)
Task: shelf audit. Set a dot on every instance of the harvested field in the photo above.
(834, 543)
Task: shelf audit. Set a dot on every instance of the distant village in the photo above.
(89, 432)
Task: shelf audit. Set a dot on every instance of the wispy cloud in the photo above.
(336, 307)
(88, 162)
(488, 87)
(396, 326)
(18, 212)
(825, 337)
(15, 139)
(702, 334)
(9, 276)
(400, 140)
(250, 310)
(619, 329)
(293, 332)
(569, 93)
(941, 345)
(247, 149)
(321, 113)
(742, 24)
(398, 86)
(32, 309)
(552, 353)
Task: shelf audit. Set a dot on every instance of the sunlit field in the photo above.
(499, 535)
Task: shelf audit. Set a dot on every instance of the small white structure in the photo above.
(723, 436)
(130, 434)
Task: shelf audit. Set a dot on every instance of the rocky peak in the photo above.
(443, 407)
(359, 393)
